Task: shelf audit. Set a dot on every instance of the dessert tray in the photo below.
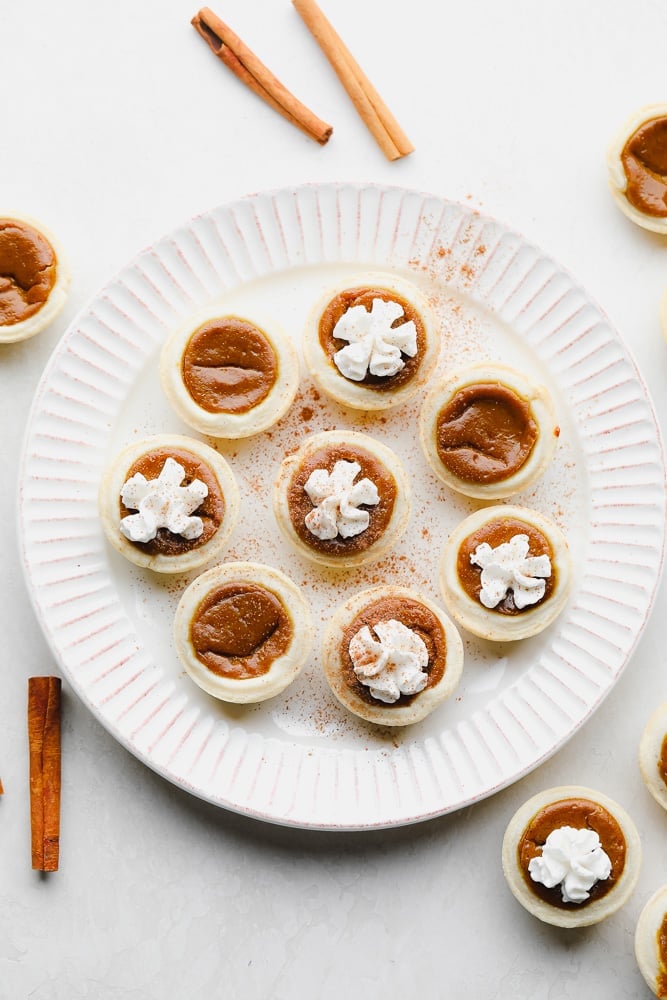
(300, 759)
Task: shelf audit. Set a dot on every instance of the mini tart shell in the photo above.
(599, 909)
(399, 517)
(488, 624)
(230, 425)
(646, 948)
(617, 178)
(542, 410)
(354, 394)
(115, 477)
(422, 703)
(283, 670)
(13, 332)
(650, 747)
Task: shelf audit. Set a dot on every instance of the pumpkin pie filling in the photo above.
(300, 505)
(485, 433)
(662, 760)
(211, 510)
(494, 533)
(28, 265)
(644, 161)
(413, 615)
(229, 366)
(580, 814)
(240, 629)
(661, 943)
(364, 296)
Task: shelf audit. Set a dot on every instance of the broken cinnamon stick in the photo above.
(375, 114)
(44, 748)
(250, 70)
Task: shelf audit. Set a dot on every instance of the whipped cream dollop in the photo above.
(337, 499)
(162, 503)
(573, 859)
(391, 663)
(509, 567)
(374, 345)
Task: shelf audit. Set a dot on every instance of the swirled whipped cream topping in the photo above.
(374, 344)
(337, 499)
(162, 503)
(573, 859)
(391, 664)
(509, 567)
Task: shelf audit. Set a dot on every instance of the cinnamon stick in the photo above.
(44, 748)
(245, 65)
(375, 114)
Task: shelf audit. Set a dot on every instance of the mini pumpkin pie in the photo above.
(371, 344)
(653, 755)
(34, 278)
(505, 572)
(571, 856)
(637, 165)
(243, 631)
(651, 942)
(391, 656)
(342, 499)
(229, 376)
(488, 431)
(168, 503)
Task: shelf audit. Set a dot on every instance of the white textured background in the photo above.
(117, 124)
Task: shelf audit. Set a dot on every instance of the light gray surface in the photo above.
(117, 125)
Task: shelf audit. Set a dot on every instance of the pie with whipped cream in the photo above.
(571, 856)
(342, 499)
(168, 503)
(488, 431)
(505, 572)
(34, 278)
(371, 345)
(653, 755)
(637, 167)
(229, 376)
(243, 631)
(651, 942)
(391, 655)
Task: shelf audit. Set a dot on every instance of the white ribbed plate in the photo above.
(300, 759)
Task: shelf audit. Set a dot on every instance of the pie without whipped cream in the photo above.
(488, 431)
(34, 277)
(651, 942)
(342, 499)
(243, 631)
(653, 755)
(505, 572)
(371, 344)
(391, 656)
(229, 376)
(637, 166)
(580, 810)
(168, 503)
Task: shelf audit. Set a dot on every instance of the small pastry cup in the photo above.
(650, 747)
(586, 913)
(646, 934)
(616, 174)
(399, 516)
(355, 394)
(470, 613)
(230, 425)
(542, 410)
(11, 333)
(115, 477)
(419, 705)
(283, 670)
